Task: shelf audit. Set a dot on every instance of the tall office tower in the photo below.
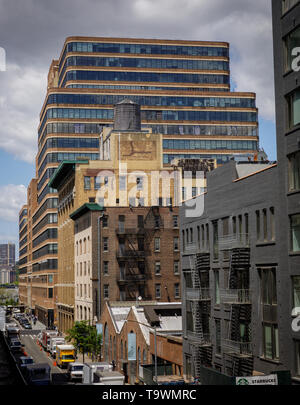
(183, 88)
(286, 32)
(7, 255)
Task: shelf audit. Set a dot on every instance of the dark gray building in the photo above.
(241, 258)
(286, 36)
(229, 269)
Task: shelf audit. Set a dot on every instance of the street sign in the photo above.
(257, 380)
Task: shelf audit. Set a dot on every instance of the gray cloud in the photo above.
(33, 32)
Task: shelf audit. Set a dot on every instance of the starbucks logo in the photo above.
(242, 381)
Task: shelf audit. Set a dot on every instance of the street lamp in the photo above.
(155, 343)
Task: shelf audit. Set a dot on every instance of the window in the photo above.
(50, 292)
(265, 225)
(294, 172)
(105, 291)
(157, 291)
(87, 183)
(140, 219)
(218, 336)
(139, 183)
(105, 221)
(234, 225)
(105, 244)
(97, 183)
(157, 268)
(157, 244)
(268, 287)
(296, 294)
(257, 225)
(287, 4)
(217, 287)
(291, 42)
(176, 267)
(176, 243)
(176, 290)
(207, 236)
(295, 232)
(271, 342)
(175, 221)
(105, 267)
(272, 222)
(297, 352)
(122, 183)
(215, 240)
(293, 101)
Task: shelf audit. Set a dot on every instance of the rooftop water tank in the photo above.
(127, 116)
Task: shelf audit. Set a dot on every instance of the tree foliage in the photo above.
(85, 339)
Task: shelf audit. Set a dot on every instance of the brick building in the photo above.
(157, 329)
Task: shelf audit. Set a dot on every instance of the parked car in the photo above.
(15, 345)
(24, 361)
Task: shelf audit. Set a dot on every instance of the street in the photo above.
(29, 338)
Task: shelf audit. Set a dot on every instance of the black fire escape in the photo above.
(237, 346)
(134, 245)
(200, 298)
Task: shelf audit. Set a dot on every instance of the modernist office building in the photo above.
(241, 257)
(183, 88)
(7, 255)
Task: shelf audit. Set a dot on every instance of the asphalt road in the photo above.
(29, 339)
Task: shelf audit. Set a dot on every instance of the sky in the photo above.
(32, 33)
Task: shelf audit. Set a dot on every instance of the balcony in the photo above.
(130, 254)
(121, 231)
(131, 278)
(236, 296)
(198, 294)
(198, 339)
(243, 349)
(234, 241)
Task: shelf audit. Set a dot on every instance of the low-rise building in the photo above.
(143, 338)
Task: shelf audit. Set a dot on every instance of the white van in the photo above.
(75, 371)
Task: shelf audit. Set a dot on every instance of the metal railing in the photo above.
(235, 347)
(198, 338)
(235, 296)
(198, 294)
(235, 240)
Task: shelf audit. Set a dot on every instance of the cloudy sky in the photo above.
(32, 33)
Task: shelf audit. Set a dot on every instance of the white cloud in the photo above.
(12, 197)
(20, 103)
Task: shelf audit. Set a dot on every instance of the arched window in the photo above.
(106, 342)
(139, 356)
(110, 348)
(84, 245)
(121, 353)
(114, 357)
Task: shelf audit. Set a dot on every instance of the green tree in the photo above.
(84, 338)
